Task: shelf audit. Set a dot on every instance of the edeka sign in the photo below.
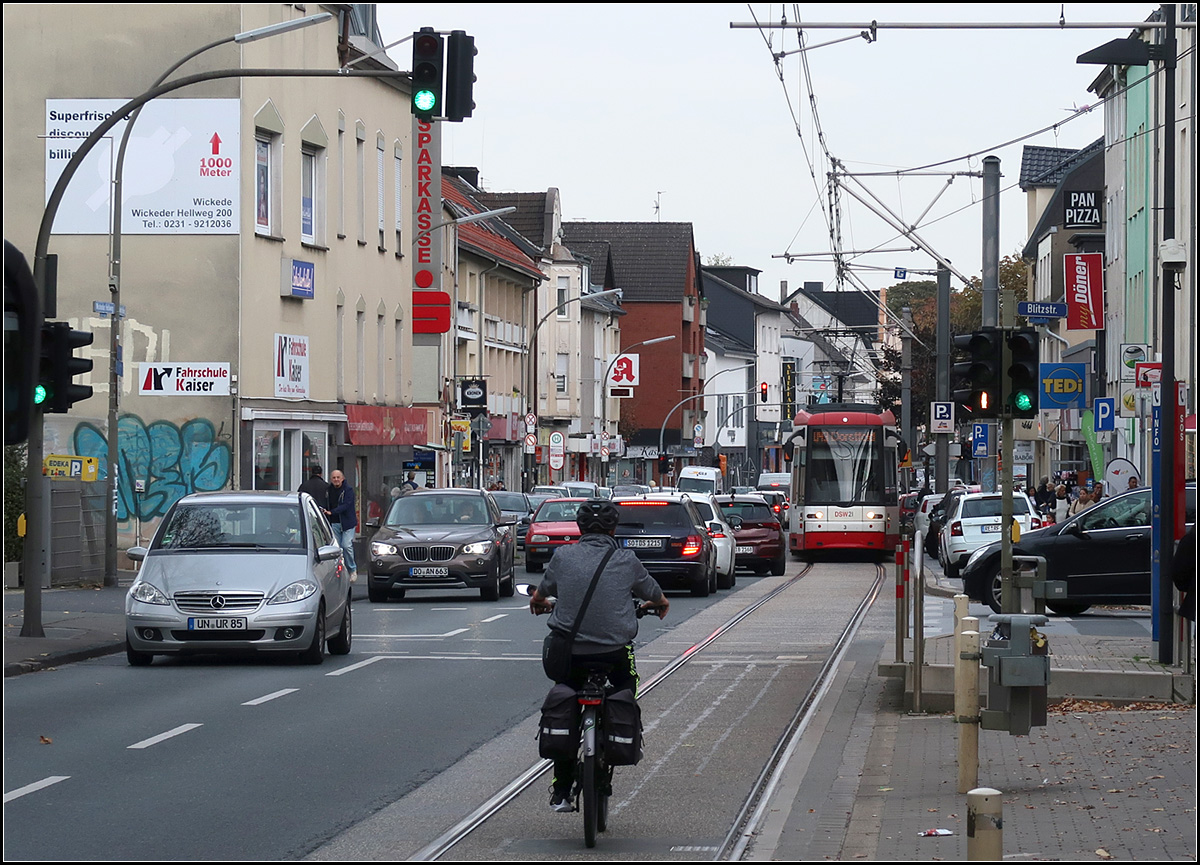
(1063, 385)
(431, 305)
(1084, 284)
(386, 425)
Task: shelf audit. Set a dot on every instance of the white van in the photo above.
(700, 479)
(775, 481)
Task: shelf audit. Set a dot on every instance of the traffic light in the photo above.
(664, 465)
(55, 391)
(460, 75)
(427, 74)
(1021, 382)
(981, 374)
(762, 392)
(20, 328)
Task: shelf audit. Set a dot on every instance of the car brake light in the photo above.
(641, 504)
(692, 546)
(776, 508)
(956, 530)
(713, 533)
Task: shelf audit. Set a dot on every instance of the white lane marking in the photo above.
(360, 664)
(453, 633)
(374, 658)
(268, 697)
(154, 740)
(494, 618)
(448, 609)
(34, 787)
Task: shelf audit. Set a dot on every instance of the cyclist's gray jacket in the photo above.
(609, 622)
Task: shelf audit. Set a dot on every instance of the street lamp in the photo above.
(663, 430)
(531, 395)
(463, 220)
(114, 280)
(608, 372)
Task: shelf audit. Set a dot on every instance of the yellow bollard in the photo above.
(966, 704)
(985, 825)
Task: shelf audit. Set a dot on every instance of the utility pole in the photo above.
(906, 418)
(991, 293)
(943, 374)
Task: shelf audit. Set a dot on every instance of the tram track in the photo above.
(744, 826)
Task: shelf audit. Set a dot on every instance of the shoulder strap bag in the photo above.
(556, 648)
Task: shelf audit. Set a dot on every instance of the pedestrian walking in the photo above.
(343, 517)
(316, 485)
(1061, 503)
(410, 483)
(1043, 498)
(1183, 574)
(1133, 482)
(1081, 504)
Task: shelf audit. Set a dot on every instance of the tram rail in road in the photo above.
(750, 814)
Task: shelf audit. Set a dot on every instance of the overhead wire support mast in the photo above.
(874, 26)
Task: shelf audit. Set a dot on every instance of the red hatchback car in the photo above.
(553, 526)
(758, 532)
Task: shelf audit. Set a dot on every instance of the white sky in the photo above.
(620, 105)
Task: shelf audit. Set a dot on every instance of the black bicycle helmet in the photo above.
(597, 516)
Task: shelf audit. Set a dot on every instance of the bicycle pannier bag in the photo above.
(622, 729)
(558, 730)
(556, 655)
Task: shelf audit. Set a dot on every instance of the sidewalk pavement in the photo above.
(1110, 776)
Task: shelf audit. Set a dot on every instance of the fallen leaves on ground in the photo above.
(45, 740)
(1072, 705)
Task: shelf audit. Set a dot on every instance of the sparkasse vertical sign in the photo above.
(430, 305)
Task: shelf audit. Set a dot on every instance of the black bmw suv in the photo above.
(671, 539)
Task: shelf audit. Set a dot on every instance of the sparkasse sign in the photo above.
(184, 379)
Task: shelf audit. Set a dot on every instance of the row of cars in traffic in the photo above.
(263, 571)
(1103, 553)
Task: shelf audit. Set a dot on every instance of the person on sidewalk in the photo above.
(316, 485)
(1044, 497)
(1061, 503)
(1080, 504)
(343, 517)
(1183, 574)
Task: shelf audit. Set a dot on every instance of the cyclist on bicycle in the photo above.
(610, 621)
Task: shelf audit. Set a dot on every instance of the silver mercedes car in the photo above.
(239, 571)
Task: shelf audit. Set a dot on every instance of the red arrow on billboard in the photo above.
(216, 143)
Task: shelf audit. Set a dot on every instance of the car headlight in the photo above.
(297, 591)
(976, 556)
(479, 548)
(378, 549)
(147, 594)
(539, 539)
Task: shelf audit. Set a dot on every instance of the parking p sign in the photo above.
(1105, 414)
(941, 417)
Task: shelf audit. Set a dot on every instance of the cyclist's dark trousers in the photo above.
(622, 675)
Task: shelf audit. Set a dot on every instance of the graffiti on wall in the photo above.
(173, 461)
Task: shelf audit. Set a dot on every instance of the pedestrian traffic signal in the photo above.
(460, 75)
(427, 74)
(56, 391)
(21, 327)
(664, 465)
(762, 392)
(1021, 383)
(721, 461)
(980, 376)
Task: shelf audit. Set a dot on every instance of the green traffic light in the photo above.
(39, 394)
(424, 100)
(1023, 401)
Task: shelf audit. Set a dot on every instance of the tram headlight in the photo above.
(815, 515)
(872, 515)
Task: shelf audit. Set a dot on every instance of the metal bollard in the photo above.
(901, 618)
(962, 605)
(966, 704)
(985, 825)
(918, 625)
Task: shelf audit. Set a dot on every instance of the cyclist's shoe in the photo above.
(560, 801)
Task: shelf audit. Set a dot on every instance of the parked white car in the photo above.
(975, 522)
(921, 518)
(722, 537)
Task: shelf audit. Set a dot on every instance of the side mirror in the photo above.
(373, 523)
(735, 522)
(327, 553)
(136, 554)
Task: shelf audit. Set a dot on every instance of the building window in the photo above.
(380, 196)
(397, 159)
(308, 196)
(738, 419)
(360, 168)
(564, 293)
(265, 164)
(560, 373)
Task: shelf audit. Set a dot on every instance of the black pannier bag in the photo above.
(622, 729)
(558, 731)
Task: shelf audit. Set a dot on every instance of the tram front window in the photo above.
(843, 467)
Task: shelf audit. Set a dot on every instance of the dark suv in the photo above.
(442, 538)
(758, 532)
(1103, 553)
(671, 540)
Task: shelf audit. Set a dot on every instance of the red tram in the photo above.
(845, 488)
